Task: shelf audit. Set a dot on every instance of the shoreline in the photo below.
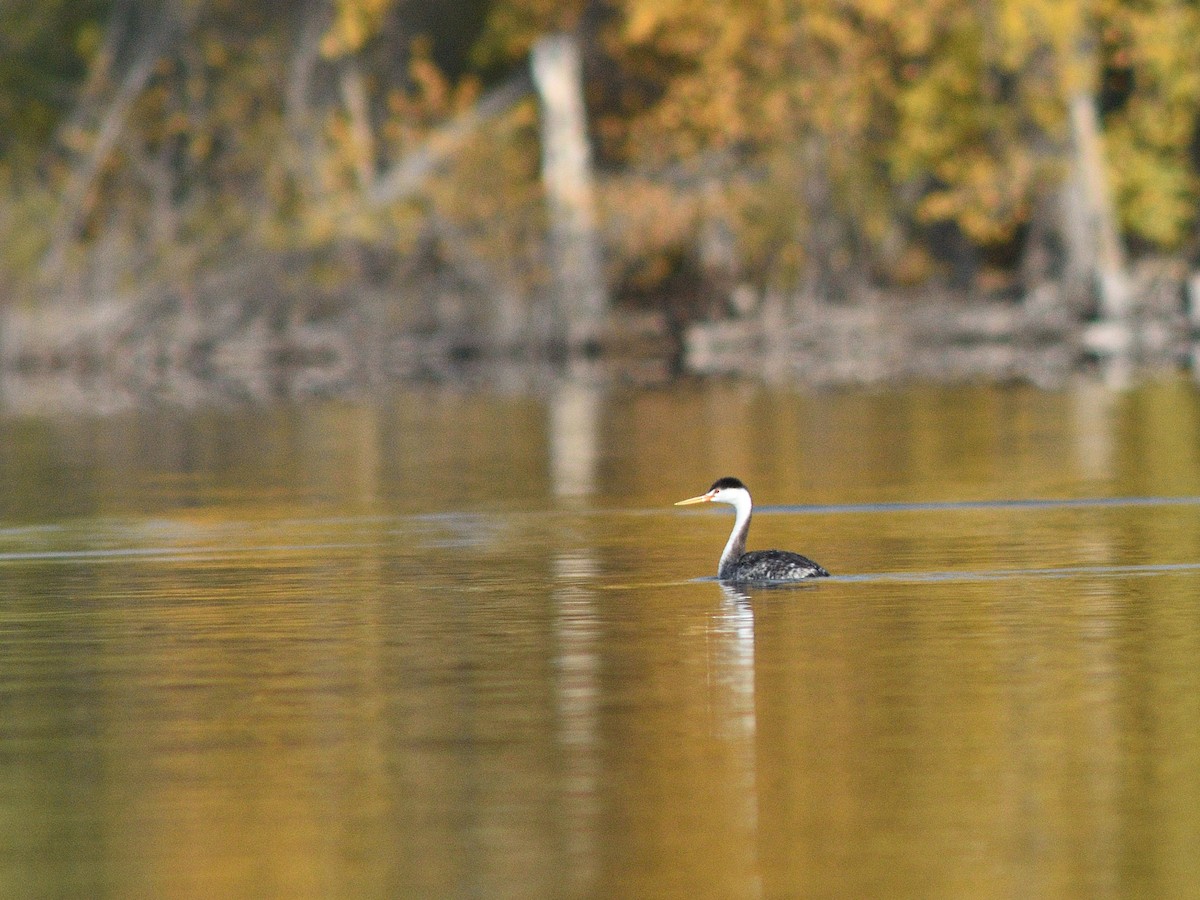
(235, 351)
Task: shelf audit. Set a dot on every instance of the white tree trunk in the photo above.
(570, 198)
(1099, 221)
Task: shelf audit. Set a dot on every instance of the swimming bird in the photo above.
(758, 565)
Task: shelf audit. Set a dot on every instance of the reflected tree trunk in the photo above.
(574, 439)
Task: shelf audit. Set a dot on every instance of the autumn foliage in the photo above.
(801, 144)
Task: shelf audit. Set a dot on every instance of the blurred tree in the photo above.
(1151, 55)
(892, 125)
(807, 143)
(45, 48)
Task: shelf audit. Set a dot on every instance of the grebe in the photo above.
(759, 565)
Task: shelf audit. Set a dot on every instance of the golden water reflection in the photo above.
(424, 650)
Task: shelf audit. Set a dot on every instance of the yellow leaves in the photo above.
(216, 54)
(1154, 183)
(680, 28)
(918, 110)
(988, 197)
(88, 39)
(913, 267)
(968, 111)
(1027, 27)
(1149, 138)
(644, 19)
(1157, 199)
(354, 23)
(642, 214)
(887, 10)
(427, 100)
(430, 83)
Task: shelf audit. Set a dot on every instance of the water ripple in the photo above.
(1003, 574)
(956, 505)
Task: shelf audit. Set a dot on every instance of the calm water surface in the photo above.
(461, 645)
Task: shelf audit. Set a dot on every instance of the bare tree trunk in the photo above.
(405, 178)
(297, 98)
(1098, 218)
(567, 176)
(354, 96)
(1115, 337)
(76, 197)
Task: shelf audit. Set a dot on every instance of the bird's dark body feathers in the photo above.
(758, 565)
(772, 565)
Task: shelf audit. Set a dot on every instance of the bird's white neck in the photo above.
(736, 545)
